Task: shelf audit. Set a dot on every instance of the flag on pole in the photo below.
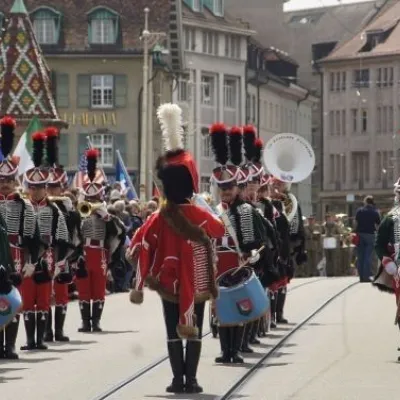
(78, 178)
(156, 191)
(23, 151)
(121, 175)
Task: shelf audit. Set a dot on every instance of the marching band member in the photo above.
(226, 177)
(176, 255)
(53, 232)
(19, 218)
(103, 237)
(387, 249)
(55, 186)
(279, 191)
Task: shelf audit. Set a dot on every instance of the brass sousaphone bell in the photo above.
(85, 208)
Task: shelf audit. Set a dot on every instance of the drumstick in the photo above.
(247, 261)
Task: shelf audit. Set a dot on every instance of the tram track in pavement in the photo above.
(148, 368)
(236, 387)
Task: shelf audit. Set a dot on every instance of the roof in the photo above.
(386, 22)
(74, 22)
(25, 88)
(226, 21)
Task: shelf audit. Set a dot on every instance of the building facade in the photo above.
(275, 105)
(213, 87)
(95, 56)
(362, 115)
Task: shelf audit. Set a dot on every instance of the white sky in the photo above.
(299, 4)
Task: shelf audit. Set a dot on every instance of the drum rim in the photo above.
(232, 270)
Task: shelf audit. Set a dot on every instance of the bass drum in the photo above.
(10, 306)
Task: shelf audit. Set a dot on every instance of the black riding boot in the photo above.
(49, 335)
(273, 296)
(11, 332)
(85, 315)
(225, 337)
(262, 330)
(236, 341)
(59, 319)
(193, 351)
(175, 352)
(97, 310)
(253, 332)
(30, 328)
(280, 304)
(41, 322)
(245, 340)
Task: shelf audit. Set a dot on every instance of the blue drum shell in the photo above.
(242, 303)
(10, 305)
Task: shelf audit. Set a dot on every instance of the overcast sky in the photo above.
(299, 4)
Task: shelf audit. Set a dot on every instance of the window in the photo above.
(190, 39)
(103, 26)
(379, 120)
(338, 79)
(210, 43)
(332, 85)
(360, 166)
(361, 78)
(183, 94)
(343, 128)
(379, 167)
(354, 118)
(343, 156)
(46, 25)
(196, 5)
(337, 123)
(230, 93)
(102, 91)
(205, 184)
(364, 121)
(105, 145)
(384, 77)
(205, 145)
(207, 90)
(219, 7)
(331, 168)
(253, 110)
(232, 46)
(344, 81)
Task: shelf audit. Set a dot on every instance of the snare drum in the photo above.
(242, 298)
(10, 305)
(330, 243)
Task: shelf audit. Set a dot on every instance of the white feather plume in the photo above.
(170, 117)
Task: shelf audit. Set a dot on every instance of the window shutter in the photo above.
(121, 90)
(83, 91)
(120, 144)
(62, 90)
(63, 150)
(82, 144)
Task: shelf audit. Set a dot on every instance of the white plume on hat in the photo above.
(170, 117)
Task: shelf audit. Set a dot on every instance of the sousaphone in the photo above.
(291, 159)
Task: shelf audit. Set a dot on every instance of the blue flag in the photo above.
(1, 156)
(122, 176)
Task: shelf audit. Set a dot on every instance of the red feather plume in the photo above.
(259, 143)
(8, 121)
(249, 129)
(38, 136)
(92, 153)
(235, 130)
(218, 127)
(51, 131)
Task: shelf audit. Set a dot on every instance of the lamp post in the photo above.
(149, 39)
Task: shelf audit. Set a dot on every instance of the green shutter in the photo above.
(62, 90)
(82, 145)
(83, 91)
(120, 144)
(63, 150)
(121, 90)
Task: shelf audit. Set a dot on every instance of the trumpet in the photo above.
(57, 198)
(86, 208)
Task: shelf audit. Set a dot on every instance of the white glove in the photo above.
(28, 270)
(109, 276)
(59, 267)
(254, 257)
(389, 265)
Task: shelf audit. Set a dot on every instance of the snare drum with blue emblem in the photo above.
(10, 305)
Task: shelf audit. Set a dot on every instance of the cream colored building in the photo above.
(362, 115)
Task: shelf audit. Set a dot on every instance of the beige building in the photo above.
(362, 115)
(95, 56)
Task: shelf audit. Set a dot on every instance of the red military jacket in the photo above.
(177, 268)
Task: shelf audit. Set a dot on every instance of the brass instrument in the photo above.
(57, 198)
(86, 209)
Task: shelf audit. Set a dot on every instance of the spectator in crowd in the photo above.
(367, 221)
(136, 220)
(115, 195)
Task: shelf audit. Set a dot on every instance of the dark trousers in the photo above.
(171, 318)
(364, 255)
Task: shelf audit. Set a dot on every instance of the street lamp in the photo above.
(149, 39)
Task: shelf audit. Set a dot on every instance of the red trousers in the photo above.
(60, 293)
(93, 287)
(34, 296)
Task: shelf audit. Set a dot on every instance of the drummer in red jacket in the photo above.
(245, 225)
(176, 256)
